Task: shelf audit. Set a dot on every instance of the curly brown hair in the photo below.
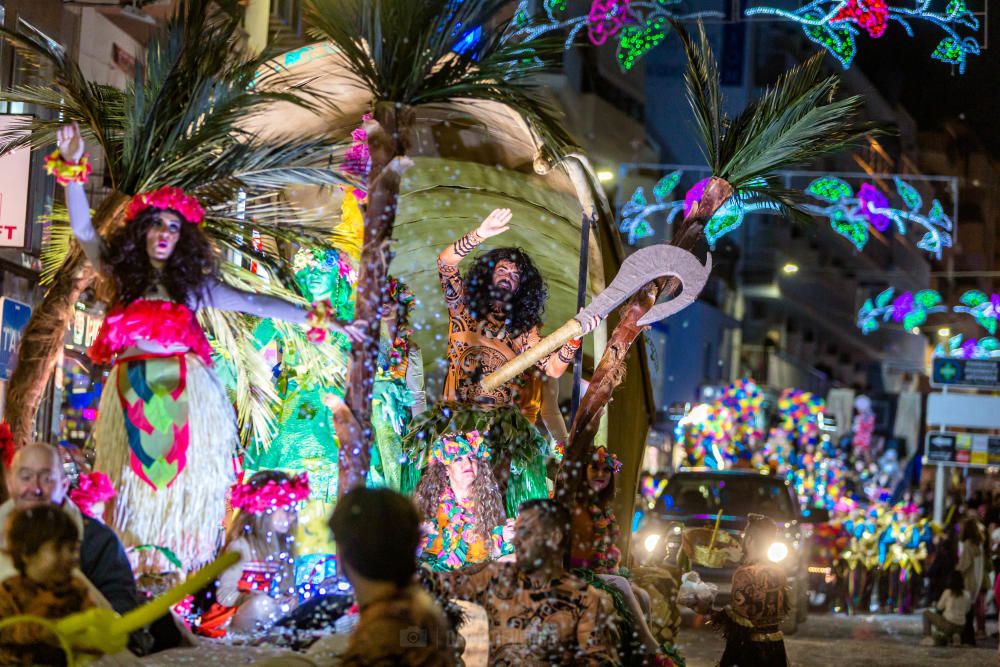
(188, 271)
(490, 511)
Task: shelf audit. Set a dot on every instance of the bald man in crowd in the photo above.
(36, 476)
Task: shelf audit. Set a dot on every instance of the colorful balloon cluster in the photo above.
(746, 400)
(799, 413)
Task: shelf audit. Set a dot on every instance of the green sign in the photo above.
(970, 373)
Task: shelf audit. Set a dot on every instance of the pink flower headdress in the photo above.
(91, 489)
(165, 198)
(271, 495)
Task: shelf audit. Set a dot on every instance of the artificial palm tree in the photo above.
(180, 124)
(408, 54)
(795, 122)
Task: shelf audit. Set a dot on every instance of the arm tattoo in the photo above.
(467, 244)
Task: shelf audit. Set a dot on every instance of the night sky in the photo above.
(931, 91)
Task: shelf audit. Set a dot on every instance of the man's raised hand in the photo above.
(495, 223)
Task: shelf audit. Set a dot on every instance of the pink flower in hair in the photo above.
(167, 198)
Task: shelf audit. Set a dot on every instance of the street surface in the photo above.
(828, 640)
(825, 640)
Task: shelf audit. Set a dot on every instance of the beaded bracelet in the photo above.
(67, 172)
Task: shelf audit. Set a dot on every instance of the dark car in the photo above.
(693, 498)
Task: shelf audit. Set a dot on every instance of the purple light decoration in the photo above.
(695, 194)
(872, 199)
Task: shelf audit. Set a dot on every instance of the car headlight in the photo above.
(777, 552)
(651, 541)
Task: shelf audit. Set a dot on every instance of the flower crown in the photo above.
(602, 457)
(271, 495)
(166, 198)
(91, 489)
(452, 446)
(324, 260)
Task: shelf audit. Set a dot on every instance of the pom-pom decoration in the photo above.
(67, 172)
(271, 495)
(92, 489)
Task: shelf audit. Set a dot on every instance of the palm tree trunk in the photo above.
(43, 338)
(383, 197)
(610, 372)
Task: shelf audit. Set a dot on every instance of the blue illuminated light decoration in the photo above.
(909, 309)
(959, 348)
(850, 214)
(638, 211)
(634, 26)
(834, 24)
(985, 309)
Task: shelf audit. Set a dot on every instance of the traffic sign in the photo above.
(962, 449)
(971, 373)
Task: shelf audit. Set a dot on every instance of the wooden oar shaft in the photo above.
(149, 612)
(532, 356)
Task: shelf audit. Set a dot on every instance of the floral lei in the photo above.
(607, 555)
(456, 539)
(399, 293)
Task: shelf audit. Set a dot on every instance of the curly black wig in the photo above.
(184, 277)
(524, 307)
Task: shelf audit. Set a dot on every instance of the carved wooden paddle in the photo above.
(637, 270)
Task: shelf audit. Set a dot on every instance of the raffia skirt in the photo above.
(185, 515)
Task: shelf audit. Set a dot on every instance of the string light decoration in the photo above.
(834, 24)
(909, 309)
(635, 27)
(985, 309)
(638, 211)
(850, 214)
(957, 347)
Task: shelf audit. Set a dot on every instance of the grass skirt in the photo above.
(187, 516)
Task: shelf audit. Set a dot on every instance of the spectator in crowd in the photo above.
(948, 615)
(377, 532)
(944, 562)
(539, 613)
(971, 564)
(43, 542)
(36, 477)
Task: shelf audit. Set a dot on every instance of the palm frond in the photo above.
(252, 389)
(794, 122)
(704, 94)
(404, 52)
(57, 239)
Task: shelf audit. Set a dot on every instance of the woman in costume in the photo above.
(594, 554)
(305, 441)
(166, 431)
(398, 391)
(750, 622)
(258, 590)
(465, 522)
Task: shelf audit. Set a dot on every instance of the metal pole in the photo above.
(581, 301)
(939, 482)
